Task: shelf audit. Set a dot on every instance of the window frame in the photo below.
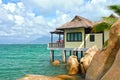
(92, 38)
(74, 35)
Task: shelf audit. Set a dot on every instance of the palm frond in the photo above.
(105, 44)
(105, 24)
(109, 20)
(101, 27)
(115, 8)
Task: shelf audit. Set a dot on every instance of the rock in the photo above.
(72, 65)
(86, 60)
(56, 63)
(114, 72)
(92, 51)
(39, 77)
(66, 77)
(104, 62)
(58, 77)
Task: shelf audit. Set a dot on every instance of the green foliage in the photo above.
(105, 44)
(115, 8)
(109, 20)
(104, 25)
(101, 27)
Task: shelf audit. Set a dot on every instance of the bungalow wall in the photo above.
(96, 39)
(74, 44)
(106, 35)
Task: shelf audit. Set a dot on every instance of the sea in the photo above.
(17, 60)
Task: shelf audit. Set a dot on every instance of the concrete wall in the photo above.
(98, 40)
(106, 35)
(74, 44)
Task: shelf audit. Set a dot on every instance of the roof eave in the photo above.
(73, 27)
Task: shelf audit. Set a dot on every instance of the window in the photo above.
(80, 37)
(92, 38)
(68, 37)
(74, 36)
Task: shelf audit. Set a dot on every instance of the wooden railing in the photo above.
(55, 45)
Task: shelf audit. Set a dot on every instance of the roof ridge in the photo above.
(76, 22)
(79, 18)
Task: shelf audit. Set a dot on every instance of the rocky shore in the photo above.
(59, 77)
(106, 64)
(95, 65)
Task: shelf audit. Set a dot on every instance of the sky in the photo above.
(23, 21)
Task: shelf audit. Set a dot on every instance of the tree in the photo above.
(107, 22)
(115, 8)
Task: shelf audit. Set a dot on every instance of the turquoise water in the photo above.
(18, 60)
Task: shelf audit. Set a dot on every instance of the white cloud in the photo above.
(10, 17)
(0, 1)
(74, 7)
(98, 1)
(10, 7)
(20, 5)
(19, 19)
(48, 6)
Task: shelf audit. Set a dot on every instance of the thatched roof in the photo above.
(113, 16)
(58, 32)
(77, 22)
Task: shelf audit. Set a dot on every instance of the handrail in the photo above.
(55, 45)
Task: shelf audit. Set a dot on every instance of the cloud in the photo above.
(30, 19)
(10, 7)
(0, 1)
(73, 7)
(17, 20)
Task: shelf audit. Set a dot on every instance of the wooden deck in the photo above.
(61, 46)
(56, 45)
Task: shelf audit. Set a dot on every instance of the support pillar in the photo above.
(59, 37)
(81, 54)
(70, 52)
(74, 53)
(64, 56)
(51, 55)
(77, 54)
(51, 37)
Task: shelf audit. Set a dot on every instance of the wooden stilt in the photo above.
(74, 53)
(77, 54)
(51, 55)
(64, 56)
(81, 54)
(70, 52)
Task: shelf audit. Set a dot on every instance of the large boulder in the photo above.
(39, 77)
(67, 77)
(56, 63)
(42, 77)
(114, 72)
(72, 65)
(102, 62)
(88, 56)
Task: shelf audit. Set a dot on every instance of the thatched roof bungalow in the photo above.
(76, 35)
